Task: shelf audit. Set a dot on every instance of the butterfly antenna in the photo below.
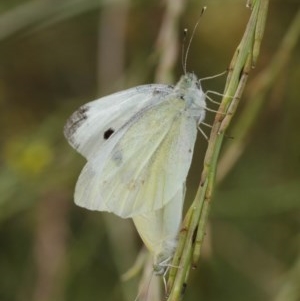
(182, 50)
(192, 36)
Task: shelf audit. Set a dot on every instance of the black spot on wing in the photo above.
(74, 122)
(108, 133)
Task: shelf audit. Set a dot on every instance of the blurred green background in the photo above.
(56, 55)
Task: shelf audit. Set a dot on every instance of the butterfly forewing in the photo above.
(93, 123)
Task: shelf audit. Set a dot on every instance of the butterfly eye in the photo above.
(108, 133)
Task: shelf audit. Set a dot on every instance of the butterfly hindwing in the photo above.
(159, 229)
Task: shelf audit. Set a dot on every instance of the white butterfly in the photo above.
(139, 145)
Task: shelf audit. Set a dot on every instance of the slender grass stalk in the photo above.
(192, 234)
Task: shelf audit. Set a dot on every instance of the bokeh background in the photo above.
(56, 55)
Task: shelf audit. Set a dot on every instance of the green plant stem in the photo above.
(183, 268)
(240, 66)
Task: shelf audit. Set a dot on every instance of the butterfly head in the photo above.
(188, 81)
